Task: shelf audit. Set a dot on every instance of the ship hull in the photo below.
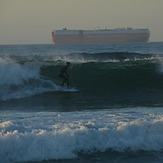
(99, 36)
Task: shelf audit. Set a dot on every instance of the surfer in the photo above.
(64, 75)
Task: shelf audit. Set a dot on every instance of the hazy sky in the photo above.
(31, 21)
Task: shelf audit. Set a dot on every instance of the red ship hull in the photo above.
(100, 36)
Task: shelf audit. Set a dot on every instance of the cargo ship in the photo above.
(100, 36)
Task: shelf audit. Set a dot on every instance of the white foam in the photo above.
(160, 68)
(14, 73)
(43, 136)
(5, 124)
(19, 81)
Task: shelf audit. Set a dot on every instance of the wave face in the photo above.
(122, 78)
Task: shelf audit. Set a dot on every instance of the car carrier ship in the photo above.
(100, 36)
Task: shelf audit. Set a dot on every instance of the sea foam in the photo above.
(19, 81)
(44, 136)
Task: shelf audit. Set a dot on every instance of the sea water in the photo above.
(116, 116)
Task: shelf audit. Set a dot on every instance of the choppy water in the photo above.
(115, 117)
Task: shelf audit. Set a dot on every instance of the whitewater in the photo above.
(60, 135)
(115, 117)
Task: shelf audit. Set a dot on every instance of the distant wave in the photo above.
(83, 58)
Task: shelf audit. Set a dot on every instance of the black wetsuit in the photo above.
(65, 76)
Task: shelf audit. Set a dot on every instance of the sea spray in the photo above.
(13, 73)
(18, 81)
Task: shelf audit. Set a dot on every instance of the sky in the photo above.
(32, 21)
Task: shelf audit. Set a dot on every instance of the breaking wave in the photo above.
(47, 136)
(23, 76)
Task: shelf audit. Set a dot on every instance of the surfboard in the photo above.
(65, 89)
(69, 89)
(57, 86)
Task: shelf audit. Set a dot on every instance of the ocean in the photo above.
(115, 117)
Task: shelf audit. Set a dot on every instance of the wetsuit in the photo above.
(65, 76)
